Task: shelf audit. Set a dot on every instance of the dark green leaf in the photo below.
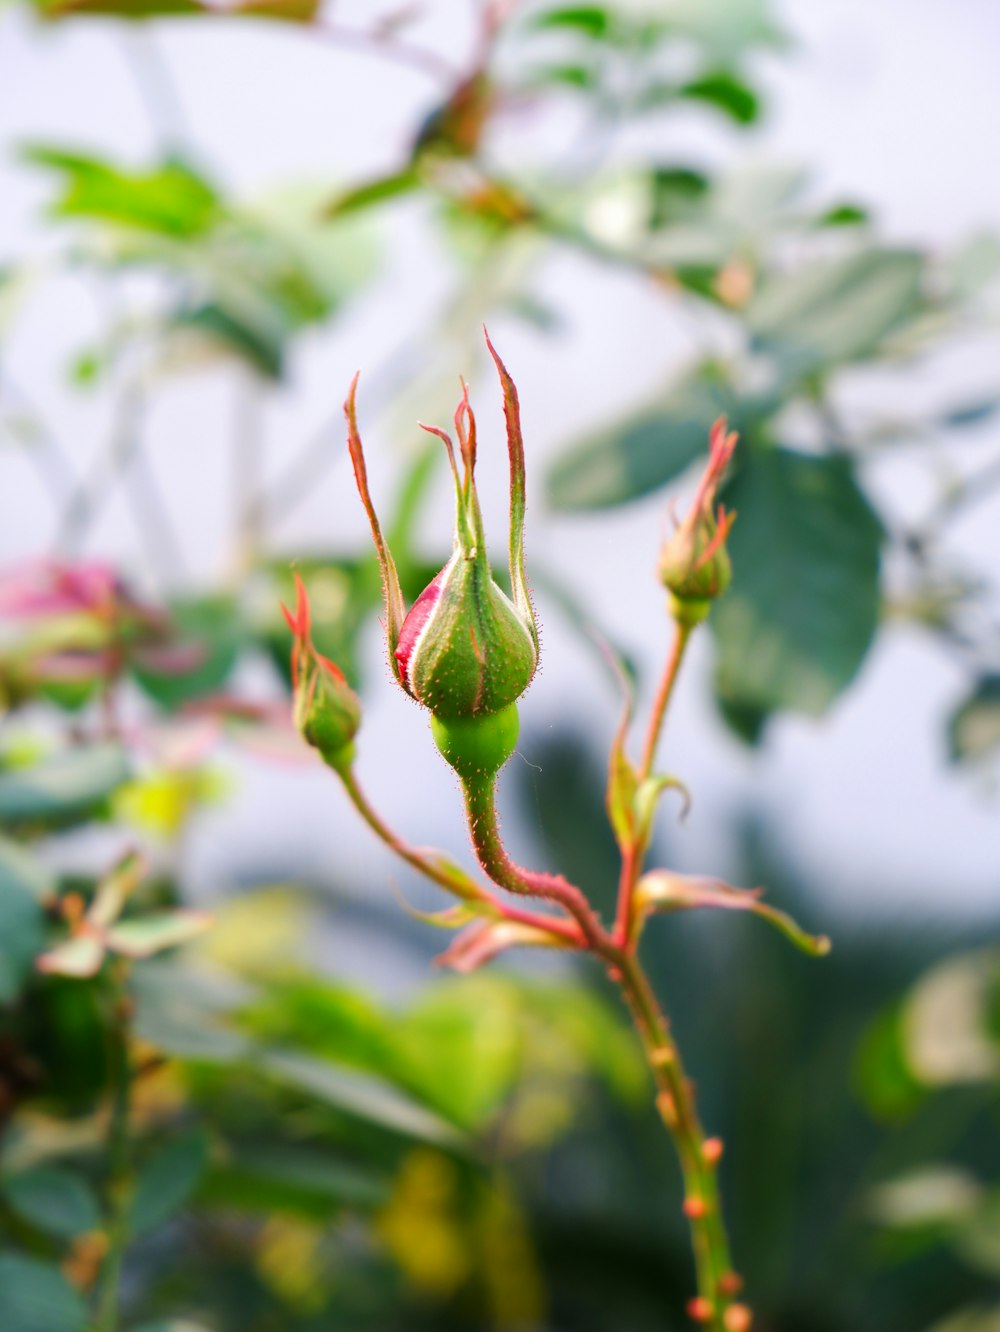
(366, 1097)
(794, 627)
(974, 727)
(592, 20)
(727, 93)
(646, 451)
(166, 1181)
(208, 626)
(62, 787)
(835, 311)
(54, 1200)
(845, 215)
(263, 348)
(126, 9)
(36, 1297)
(262, 1178)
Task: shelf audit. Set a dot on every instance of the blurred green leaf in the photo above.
(642, 453)
(153, 933)
(66, 786)
(358, 1094)
(591, 20)
(207, 627)
(166, 1181)
(23, 883)
(974, 726)
(36, 1297)
(171, 198)
(263, 1178)
(727, 93)
(835, 311)
(794, 627)
(54, 1200)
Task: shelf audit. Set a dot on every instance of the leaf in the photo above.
(78, 958)
(794, 628)
(171, 198)
(167, 1181)
(727, 93)
(664, 890)
(53, 1200)
(209, 628)
(372, 193)
(152, 934)
(365, 1097)
(63, 787)
(644, 452)
(591, 20)
(287, 11)
(833, 312)
(36, 1297)
(264, 1178)
(23, 885)
(974, 726)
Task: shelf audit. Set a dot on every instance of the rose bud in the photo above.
(327, 710)
(694, 563)
(465, 650)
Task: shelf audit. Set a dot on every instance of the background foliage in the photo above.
(304, 1154)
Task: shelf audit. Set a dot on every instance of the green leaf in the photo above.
(23, 884)
(845, 215)
(366, 1097)
(36, 1297)
(155, 933)
(591, 20)
(372, 193)
(167, 1181)
(974, 726)
(264, 1178)
(727, 93)
(263, 347)
(644, 452)
(836, 311)
(803, 607)
(171, 198)
(286, 11)
(53, 1200)
(63, 787)
(208, 626)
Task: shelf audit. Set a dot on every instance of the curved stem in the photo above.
(450, 877)
(484, 827)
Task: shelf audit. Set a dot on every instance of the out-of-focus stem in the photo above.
(118, 1163)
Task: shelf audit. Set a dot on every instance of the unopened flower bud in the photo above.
(327, 711)
(694, 563)
(465, 649)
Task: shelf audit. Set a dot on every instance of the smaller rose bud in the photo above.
(694, 563)
(327, 711)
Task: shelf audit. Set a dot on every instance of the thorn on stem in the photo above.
(663, 1057)
(667, 1108)
(738, 1318)
(712, 1150)
(700, 1310)
(695, 1208)
(731, 1283)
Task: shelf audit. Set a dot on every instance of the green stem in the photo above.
(682, 635)
(484, 827)
(717, 1284)
(698, 1155)
(436, 868)
(118, 1162)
